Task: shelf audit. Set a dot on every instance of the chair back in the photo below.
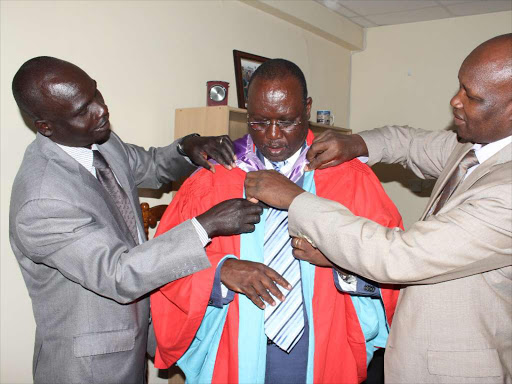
(151, 216)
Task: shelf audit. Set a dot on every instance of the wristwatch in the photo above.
(180, 147)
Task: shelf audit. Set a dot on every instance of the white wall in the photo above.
(149, 58)
(407, 75)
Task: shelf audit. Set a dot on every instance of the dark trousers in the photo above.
(288, 368)
(376, 368)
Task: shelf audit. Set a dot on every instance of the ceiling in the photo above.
(375, 13)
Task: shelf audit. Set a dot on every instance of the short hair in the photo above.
(26, 84)
(279, 69)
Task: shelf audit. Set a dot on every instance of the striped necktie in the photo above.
(284, 323)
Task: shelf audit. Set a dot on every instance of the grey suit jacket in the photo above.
(85, 276)
(453, 323)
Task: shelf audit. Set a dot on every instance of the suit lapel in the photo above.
(451, 165)
(502, 156)
(94, 194)
(52, 151)
(95, 188)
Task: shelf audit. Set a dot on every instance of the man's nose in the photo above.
(101, 108)
(456, 101)
(273, 131)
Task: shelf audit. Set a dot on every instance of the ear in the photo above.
(309, 103)
(43, 127)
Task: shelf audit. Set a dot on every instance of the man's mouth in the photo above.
(104, 124)
(458, 119)
(275, 150)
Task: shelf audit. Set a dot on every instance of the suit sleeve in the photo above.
(355, 186)
(72, 241)
(423, 152)
(156, 166)
(474, 241)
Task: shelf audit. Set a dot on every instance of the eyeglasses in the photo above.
(284, 125)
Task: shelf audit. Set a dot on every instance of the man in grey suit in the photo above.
(75, 227)
(453, 322)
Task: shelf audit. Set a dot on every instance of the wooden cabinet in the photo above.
(223, 120)
(211, 121)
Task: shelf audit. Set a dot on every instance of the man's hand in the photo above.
(254, 280)
(219, 148)
(231, 217)
(331, 148)
(303, 250)
(272, 188)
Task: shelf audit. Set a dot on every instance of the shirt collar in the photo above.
(484, 152)
(81, 154)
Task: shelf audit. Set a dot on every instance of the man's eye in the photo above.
(82, 112)
(473, 98)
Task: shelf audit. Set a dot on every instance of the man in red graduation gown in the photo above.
(259, 315)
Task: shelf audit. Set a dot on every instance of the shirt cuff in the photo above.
(180, 149)
(355, 285)
(363, 159)
(203, 235)
(221, 295)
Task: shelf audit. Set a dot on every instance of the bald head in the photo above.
(493, 59)
(63, 102)
(36, 81)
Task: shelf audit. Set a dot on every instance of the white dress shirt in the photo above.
(485, 152)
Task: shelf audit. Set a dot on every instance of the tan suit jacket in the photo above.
(453, 322)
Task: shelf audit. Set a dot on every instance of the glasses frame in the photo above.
(284, 125)
(287, 126)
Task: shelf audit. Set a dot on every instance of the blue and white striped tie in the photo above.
(284, 323)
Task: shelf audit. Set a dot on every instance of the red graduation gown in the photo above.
(178, 307)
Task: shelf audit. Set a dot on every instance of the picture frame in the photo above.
(245, 65)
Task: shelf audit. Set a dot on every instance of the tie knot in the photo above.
(278, 165)
(98, 161)
(469, 160)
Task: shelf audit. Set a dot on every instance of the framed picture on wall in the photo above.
(245, 65)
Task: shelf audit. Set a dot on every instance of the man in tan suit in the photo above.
(453, 322)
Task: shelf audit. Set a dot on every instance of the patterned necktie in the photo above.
(284, 323)
(108, 180)
(468, 161)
